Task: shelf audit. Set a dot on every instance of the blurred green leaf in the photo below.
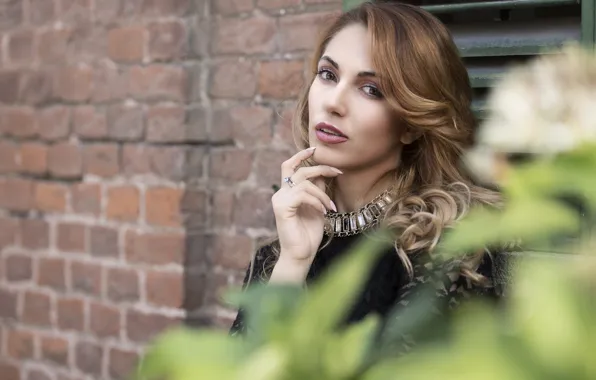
(345, 354)
(185, 354)
(329, 299)
(484, 227)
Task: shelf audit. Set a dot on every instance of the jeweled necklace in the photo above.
(352, 223)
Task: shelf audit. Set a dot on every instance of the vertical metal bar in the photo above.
(588, 18)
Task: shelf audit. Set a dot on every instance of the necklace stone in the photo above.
(352, 223)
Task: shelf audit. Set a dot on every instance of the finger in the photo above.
(312, 172)
(304, 198)
(290, 165)
(316, 192)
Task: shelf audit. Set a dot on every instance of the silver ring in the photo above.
(289, 181)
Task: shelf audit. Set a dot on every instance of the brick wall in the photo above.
(139, 142)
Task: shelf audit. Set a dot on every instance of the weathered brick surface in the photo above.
(139, 141)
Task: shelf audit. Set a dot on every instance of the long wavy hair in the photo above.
(426, 84)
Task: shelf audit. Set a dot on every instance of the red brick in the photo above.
(165, 288)
(255, 35)
(35, 234)
(233, 79)
(71, 237)
(194, 163)
(223, 206)
(108, 11)
(143, 327)
(39, 374)
(125, 122)
(52, 45)
(51, 273)
(159, 248)
(75, 11)
(9, 154)
(10, 82)
(65, 160)
(168, 40)
(19, 344)
(18, 121)
(86, 198)
(162, 206)
(89, 44)
(16, 194)
(123, 203)
(166, 123)
(10, 371)
(86, 278)
(37, 309)
(103, 241)
(230, 164)
(101, 160)
(20, 46)
(8, 304)
(281, 79)
(71, 314)
(50, 197)
(127, 44)
(299, 32)
(110, 81)
(249, 126)
(9, 230)
(159, 82)
(89, 122)
(88, 357)
(54, 123)
(268, 166)
(74, 83)
(18, 268)
(229, 7)
(34, 158)
(36, 86)
(232, 251)
(122, 363)
(55, 349)
(252, 209)
(283, 128)
(166, 8)
(41, 11)
(166, 162)
(123, 285)
(277, 4)
(105, 320)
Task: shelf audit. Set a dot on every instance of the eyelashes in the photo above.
(369, 90)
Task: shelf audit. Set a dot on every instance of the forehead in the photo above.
(350, 48)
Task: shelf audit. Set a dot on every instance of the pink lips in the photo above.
(328, 134)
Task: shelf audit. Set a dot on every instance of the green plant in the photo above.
(547, 327)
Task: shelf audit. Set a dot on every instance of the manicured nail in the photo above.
(333, 206)
(337, 171)
(312, 148)
(324, 210)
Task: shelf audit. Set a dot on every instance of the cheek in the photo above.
(378, 124)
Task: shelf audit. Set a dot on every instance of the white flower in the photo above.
(544, 107)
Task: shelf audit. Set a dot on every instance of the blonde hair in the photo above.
(427, 85)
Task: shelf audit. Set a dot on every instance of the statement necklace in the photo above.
(352, 223)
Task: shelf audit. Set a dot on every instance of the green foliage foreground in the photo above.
(546, 328)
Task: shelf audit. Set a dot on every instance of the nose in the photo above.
(335, 100)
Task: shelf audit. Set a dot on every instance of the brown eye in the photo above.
(371, 90)
(326, 74)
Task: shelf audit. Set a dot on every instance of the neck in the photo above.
(354, 189)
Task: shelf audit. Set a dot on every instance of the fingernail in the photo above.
(338, 171)
(333, 206)
(312, 148)
(324, 210)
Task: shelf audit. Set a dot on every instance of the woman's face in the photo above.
(350, 122)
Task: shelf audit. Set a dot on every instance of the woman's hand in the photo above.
(300, 208)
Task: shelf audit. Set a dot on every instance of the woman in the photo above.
(382, 126)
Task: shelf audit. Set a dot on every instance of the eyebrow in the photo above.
(336, 65)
